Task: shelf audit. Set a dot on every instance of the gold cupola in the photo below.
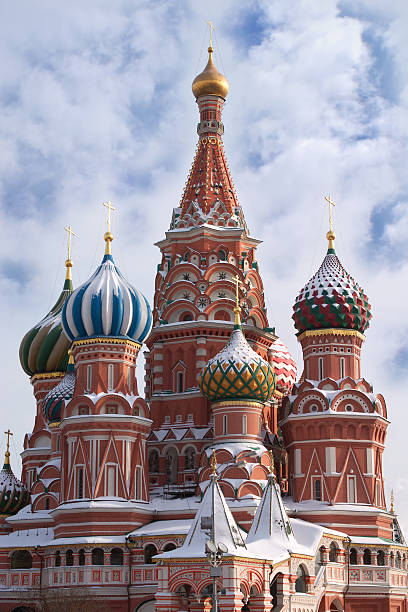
(210, 82)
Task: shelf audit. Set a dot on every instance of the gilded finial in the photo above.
(108, 234)
(7, 453)
(211, 31)
(272, 462)
(330, 234)
(70, 357)
(237, 309)
(392, 509)
(68, 263)
(213, 462)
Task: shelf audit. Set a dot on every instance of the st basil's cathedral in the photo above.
(231, 484)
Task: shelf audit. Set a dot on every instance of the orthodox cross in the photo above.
(272, 465)
(238, 282)
(331, 203)
(70, 234)
(392, 502)
(213, 462)
(110, 208)
(8, 434)
(211, 31)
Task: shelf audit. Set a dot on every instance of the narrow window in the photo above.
(47, 503)
(353, 556)
(180, 382)
(317, 489)
(110, 486)
(244, 424)
(351, 490)
(224, 424)
(88, 377)
(320, 368)
(58, 442)
(137, 483)
(377, 493)
(110, 377)
(342, 367)
(81, 557)
(80, 482)
(129, 378)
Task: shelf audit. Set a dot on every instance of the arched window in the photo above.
(319, 560)
(398, 560)
(57, 559)
(81, 557)
(380, 557)
(353, 556)
(222, 255)
(367, 556)
(190, 459)
(187, 316)
(169, 546)
(300, 584)
(69, 558)
(244, 424)
(116, 556)
(342, 367)
(88, 377)
(149, 552)
(224, 424)
(97, 556)
(179, 382)
(21, 559)
(47, 503)
(317, 489)
(171, 465)
(333, 552)
(153, 461)
(320, 368)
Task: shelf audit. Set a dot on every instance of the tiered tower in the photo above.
(207, 246)
(101, 422)
(44, 357)
(334, 425)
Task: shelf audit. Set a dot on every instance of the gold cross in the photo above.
(7, 455)
(272, 465)
(238, 282)
(110, 208)
(211, 31)
(70, 234)
(331, 203)
(213, 462)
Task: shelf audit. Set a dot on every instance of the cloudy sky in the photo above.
(96, 104)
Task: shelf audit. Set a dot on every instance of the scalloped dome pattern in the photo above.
(237, 372)
(332, 299)
(107, 305)
(45, 347)
(13, 493)
(63, 392)
(284, 366)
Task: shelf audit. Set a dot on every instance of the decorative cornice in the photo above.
(47, 375)
(333, 331)
(232, 403)
(106, 341)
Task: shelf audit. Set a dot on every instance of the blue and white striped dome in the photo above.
(107, 305)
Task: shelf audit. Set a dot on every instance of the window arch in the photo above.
(21, 559)
(380, 557)
(149, 552)
(189, 458)
(154, 461)
(98, 557)
(57, 559)
(222, 255)
(353, 556)
(110, 377)
(169, 546)
(333, 552)
(300, 584)
(398, 560)
(69, 558)
(81, 557)
(320, 368)
(186, 316)
(116, 556)
(317, 489)
(179, 382)
(367, 556)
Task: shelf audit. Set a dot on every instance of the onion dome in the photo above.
(107, 305)
(61, 393)
(13, 493)
(44, 348)
(332, 298)
(284, 366)
(237, 371)
(210, 82)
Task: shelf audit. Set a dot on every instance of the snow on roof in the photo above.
(176, 527)
(27, 538)
(54, 462)
(237, 447)
(311, 505)
(98, 540)
(213, 520)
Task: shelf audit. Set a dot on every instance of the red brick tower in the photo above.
(334, 425)
(207, 245)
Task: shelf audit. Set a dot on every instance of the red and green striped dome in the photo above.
(331, 299)
(44, 348)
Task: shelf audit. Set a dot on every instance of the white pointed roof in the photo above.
(271, 530)
(217, 520)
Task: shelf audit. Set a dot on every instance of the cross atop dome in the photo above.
(330, 234)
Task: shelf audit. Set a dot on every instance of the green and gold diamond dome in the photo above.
(237, 372)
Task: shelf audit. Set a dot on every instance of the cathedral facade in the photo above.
(231, 484)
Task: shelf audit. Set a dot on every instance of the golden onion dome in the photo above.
(210, 82)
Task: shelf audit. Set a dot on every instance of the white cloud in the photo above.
(96, 104)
